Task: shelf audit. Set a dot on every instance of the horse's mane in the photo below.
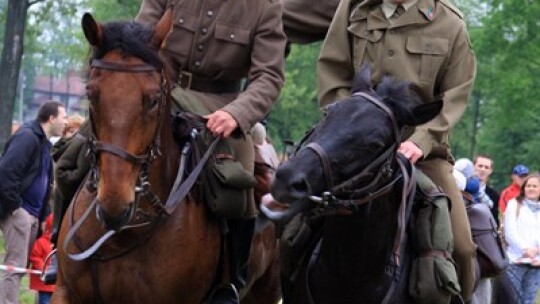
(131, 38)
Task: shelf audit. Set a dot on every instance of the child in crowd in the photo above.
(42, 247)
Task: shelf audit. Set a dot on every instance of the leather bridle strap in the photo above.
(386, 109)
(327, 167)
(136, 159)
(120, 67)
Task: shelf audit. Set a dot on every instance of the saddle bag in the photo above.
(491, 255)
(433, 278)
(224, 182)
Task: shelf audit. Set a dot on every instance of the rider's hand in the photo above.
(410, 150)
(221, 123)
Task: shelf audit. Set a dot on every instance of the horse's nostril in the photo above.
(299, 186)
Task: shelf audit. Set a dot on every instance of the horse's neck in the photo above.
(363, 241)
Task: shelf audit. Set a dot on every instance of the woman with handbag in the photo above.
(522, 226)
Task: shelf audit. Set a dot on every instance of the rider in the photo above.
(213, 47)
(424, 42)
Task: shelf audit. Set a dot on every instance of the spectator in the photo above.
(74, 123)
(483, 165)
(41, 249)
(522, 226)
(519, 173)
(473, 187)
(25, 178)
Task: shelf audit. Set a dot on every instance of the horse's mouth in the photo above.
(114, 222)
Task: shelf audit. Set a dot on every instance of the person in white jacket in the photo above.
(522, 232)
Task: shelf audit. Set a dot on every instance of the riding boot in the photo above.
(240, 237)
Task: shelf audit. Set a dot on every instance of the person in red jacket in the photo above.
(41, 249)
(519, 173)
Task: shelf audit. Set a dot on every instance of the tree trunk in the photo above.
(10, 64)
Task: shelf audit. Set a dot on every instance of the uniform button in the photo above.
(391, 53)
(197, 64)
(232, 36)
(204, 30)
(181, 20)
(210, 13)
(200, 47)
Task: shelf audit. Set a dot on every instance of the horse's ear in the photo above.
(93, 31)
(420, 114)
(163, 28)
(362, 79)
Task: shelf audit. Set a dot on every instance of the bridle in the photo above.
(143, 187)
(349, 195)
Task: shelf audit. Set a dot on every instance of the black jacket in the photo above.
(19, 165)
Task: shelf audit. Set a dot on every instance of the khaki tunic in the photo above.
(427, 45)
(224, 41)
(307, 21)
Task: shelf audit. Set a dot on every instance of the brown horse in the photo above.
(126, 238)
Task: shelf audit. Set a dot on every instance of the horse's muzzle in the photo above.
(114, 222)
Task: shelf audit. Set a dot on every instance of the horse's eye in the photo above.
(154, 100)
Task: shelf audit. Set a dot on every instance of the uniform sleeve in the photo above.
(456, 86)
(510, 226)
(266, 74)
(335, 68)
(13, 166)
(151, 11)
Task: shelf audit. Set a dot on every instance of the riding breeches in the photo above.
(440, 172)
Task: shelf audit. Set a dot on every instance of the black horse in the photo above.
(352, 152)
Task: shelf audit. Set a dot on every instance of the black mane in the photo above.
(131, 38)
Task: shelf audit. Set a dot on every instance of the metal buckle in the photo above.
(185, 79)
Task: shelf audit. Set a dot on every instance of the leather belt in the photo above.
(189, 81)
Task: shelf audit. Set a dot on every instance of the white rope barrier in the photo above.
(14, 269)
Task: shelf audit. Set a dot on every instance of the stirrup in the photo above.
(42, 277)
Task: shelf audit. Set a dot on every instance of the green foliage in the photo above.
(296, 109)
(507, 45)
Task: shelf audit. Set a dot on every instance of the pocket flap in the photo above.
(360, 31)
(230, 34)
(187, 22)
(427, 45)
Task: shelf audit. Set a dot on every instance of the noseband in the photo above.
(154, 149)
(355, 194)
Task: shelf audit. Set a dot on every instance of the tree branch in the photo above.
(34, 2)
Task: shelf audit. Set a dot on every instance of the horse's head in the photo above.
(127, 89)
(358, 134)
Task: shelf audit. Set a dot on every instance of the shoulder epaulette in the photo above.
(452, 7)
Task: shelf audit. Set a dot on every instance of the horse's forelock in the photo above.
(131, 38)
(397, 92)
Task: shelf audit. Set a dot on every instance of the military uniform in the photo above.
(307, 21)
(427, 45)
(217, 44)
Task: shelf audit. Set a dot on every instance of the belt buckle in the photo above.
(185, 80)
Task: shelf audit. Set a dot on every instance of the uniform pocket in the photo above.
(180, 39)
(232, 46)
(430, 52)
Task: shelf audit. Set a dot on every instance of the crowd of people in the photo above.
(26, 195)
(516, 211)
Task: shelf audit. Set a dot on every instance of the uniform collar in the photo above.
(420, 12)
(389, 8)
